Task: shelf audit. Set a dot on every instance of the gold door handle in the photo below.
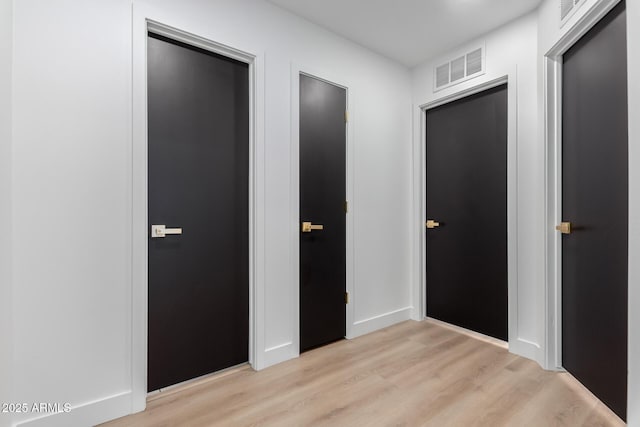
(564, 227)
(307, 227)
(432, 224)
(162, 231)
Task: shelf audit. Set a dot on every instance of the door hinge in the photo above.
(346, 116)
(346, 297)
(346, 206)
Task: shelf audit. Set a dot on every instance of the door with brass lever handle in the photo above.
(308, 226)
(162, 231)
(564, 227)
(432, 224)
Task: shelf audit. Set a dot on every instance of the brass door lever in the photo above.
(564, 227)
(162, 231)
(432, 224)
(307, 227)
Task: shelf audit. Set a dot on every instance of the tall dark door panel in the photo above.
(322, 208)
(466, 255)
(198, 105)
(595, 203)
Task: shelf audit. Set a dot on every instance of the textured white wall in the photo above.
(6, 347)
(512, 46)
(72, 185)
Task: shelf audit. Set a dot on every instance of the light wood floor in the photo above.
(411, 374)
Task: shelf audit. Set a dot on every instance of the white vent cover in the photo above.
(461, 68)
(474, 62)
(442, 75)
(457, 69)
(567, 8)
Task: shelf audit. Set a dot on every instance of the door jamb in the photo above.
(553, 60)
(512, 199)
(143, 23)
(328, 77)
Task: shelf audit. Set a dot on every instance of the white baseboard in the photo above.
(287, 351)
(469, 332)
(527, 349)
(277, 354)
(363, 327)
(519, 346)
(87, 414)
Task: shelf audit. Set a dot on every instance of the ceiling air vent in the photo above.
(460, 69)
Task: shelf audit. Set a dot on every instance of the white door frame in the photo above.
(296, 71)
(145, 20)
(512, 199)
(553, 145)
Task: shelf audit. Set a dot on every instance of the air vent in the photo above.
(442, 75)
(565, 7)
(568, 8)
(474, 62)
(457, 69)
(460, 69)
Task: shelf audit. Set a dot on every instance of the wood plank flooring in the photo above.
(411, 374)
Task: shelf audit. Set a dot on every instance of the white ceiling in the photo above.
(409, 31)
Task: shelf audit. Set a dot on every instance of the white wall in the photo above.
(71, 290)
(6, 347)
(72, 186)
(71, 168)
(513, 46)
(550, 33)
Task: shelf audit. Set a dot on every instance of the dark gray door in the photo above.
(466, 252)
(595, 202)
(322, 203)
(198, 181)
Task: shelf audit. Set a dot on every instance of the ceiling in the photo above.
(409, 31)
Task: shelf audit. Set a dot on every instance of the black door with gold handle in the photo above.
(322, 212)
(466, 260)
(198, 247)
(595, 199)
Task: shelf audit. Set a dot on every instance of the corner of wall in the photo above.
(366, 326)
